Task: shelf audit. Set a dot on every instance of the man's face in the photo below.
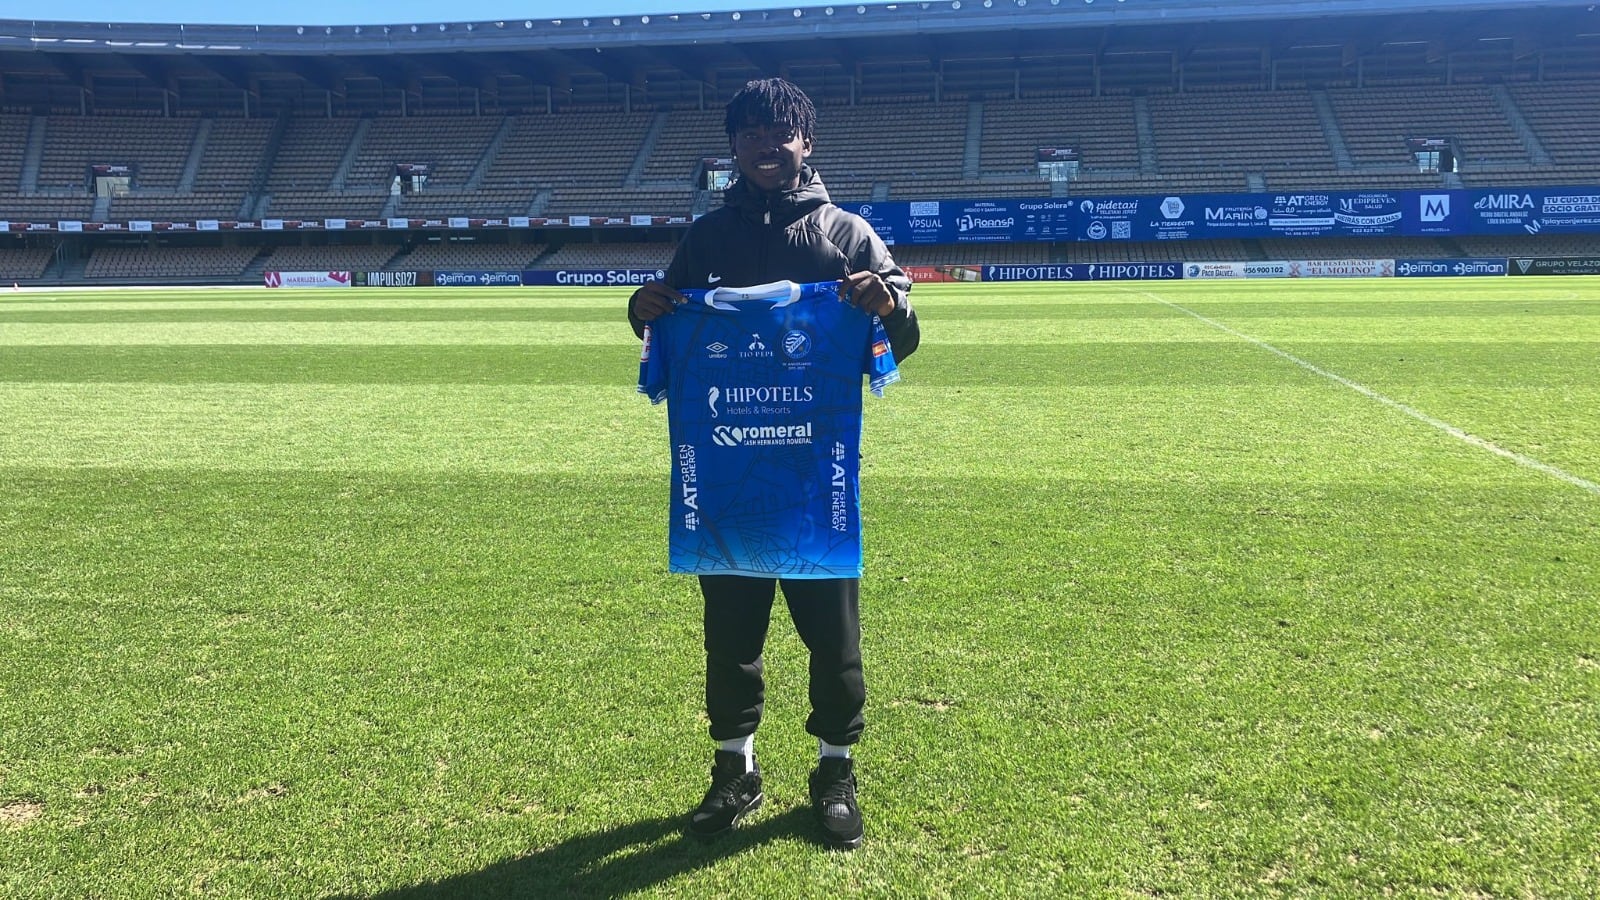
(770, 156)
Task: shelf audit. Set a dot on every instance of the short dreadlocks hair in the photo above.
(771, 101)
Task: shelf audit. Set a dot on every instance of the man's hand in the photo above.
(653, 300)
(867, 291)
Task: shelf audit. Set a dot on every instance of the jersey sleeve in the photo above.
(652, 366)
(879, 364)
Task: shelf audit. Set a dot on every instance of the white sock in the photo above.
(826, 749)
(744, 746)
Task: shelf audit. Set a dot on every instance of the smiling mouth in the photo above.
(768, 166)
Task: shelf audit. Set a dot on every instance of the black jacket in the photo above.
(797, 236)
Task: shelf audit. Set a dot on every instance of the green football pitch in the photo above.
(1174, 589)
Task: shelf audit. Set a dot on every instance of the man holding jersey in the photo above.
(778, 225)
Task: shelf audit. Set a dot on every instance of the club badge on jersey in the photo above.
(763, 393)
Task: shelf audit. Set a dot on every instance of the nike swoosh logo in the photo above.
(713, 279)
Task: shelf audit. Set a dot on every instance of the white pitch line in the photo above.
(1472, 439)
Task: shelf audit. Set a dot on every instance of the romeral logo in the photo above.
(796, 344)
(711, 399)
(1504, 201)
(1435, 207)
(761, 435)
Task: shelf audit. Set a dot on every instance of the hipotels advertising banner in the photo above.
(1085, 272)
(592, 277)
(1437, 268)
(307, 279)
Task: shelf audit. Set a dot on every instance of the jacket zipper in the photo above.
(766, 243)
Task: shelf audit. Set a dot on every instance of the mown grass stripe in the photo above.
(1457, 433)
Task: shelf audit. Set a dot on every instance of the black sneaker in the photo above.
(734, 794)
(833, 798)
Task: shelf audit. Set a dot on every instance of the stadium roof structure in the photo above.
(56, 66)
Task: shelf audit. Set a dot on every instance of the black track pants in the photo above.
(827, 616)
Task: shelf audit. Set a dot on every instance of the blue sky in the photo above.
(356, 12)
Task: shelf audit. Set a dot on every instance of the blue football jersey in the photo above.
(763, 391)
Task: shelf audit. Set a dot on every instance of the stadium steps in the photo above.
(880, 191)
(71, 271)
(197, 152)
(1149, 161)
(1331, 131)
(481, 170)
(102, 209)
(647, 149)
(972, 158)
(350, 154)
(549, 251)
(1256, 182)
(1513, 113)
(257, 269)
(29, 181)
(540, 202)
(269, 155)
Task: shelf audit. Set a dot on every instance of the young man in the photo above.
(779, 225)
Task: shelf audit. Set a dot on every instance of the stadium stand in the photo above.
(331, 259)
(469, 255)
(853, 158)
(570, 160)
(1238, 131)
(687, 137)
(145, 263)
(1158, 251)
(157, 148)
(1356, 248)
(13, 144)
(1527, 245)
(1102, 129)
(973, 254)
(24, 263)
(450, 145)
(608, 255)
(1377, 120)
(1159, 107)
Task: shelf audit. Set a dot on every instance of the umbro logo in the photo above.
(717, 349)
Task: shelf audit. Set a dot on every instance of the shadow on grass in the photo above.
(613, 862)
